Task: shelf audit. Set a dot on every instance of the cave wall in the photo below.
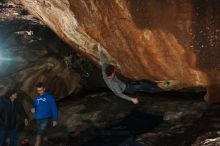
(148, 39)
(29, 53)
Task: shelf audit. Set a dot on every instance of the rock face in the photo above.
(148, 39)
(30, 53)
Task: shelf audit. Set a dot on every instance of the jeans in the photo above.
(11, 134)
(132, 88)
(42, 125)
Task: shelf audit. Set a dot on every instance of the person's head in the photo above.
(11, 94)
(110, 71)
(40, 87)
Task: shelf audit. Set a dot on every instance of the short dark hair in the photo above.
(10, 92)
(109, 70)
(40, 85)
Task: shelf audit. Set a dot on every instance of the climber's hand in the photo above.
(32, 110)
(135, 100)
(99, 47)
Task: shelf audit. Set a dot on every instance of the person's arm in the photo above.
(116, 90)
(53, 108)
(1, 112)
(1, 108)
(134, 100)
(21, 111)
(103, 62)
(102, 57)
(33, 109)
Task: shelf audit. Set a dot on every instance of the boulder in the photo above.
(147, 39)
(31, 53)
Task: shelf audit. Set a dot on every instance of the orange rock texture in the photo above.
(147, 39)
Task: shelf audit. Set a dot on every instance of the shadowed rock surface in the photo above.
(30, 52)
(156, 40)
(189, 120)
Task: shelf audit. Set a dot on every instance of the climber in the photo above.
(10, 107)
(44, 108)
(121, 89)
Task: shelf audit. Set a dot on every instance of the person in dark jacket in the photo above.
(10, 107)
(44, 108)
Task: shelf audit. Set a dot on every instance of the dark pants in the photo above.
(42, 126)
(132, 88)
(11, 134)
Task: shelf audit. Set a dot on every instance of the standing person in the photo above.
(120, 88)
(44, 108)
(10, 107)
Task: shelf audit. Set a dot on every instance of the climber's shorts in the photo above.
(42, 126)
